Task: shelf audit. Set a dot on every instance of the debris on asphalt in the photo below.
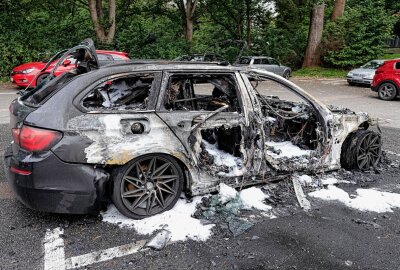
(301, 197)
(373, 224)
(237, 226)
(227, 209)
(160, 240)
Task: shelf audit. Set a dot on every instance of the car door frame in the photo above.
(173, 118)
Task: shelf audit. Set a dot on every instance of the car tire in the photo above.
(286, 75)
(361, 150)
(387, 91)
(40, 78)
(352, 84)
(147, 185)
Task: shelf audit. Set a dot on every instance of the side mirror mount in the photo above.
(66, 62)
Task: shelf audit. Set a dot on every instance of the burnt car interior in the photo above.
(131, 93)
(201, 93)
(288, 117)
(216, 148)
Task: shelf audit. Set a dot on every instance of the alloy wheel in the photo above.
(368, 151)
(150, 185)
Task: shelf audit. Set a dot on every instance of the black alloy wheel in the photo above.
(362, 150)
(147, 186)
(387, 91)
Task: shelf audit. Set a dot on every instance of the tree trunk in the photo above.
(338, 9)
(248, 22)
(96, 13)
(312, 55)
(189, 29)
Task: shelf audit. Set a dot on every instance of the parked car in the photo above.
(198, 57)
(25, 74)
(364, 74)
(140, 133)
(265, 63)
(387, 80)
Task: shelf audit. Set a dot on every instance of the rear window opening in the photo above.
(39, 94)
(130, 93)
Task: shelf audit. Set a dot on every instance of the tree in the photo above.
(105, 30)
(338, 9)
(312, 55)
(187, 8)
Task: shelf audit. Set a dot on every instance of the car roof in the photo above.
(257, 57)
(171, 65)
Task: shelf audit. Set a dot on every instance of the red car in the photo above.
(22, 75)
(387, 80)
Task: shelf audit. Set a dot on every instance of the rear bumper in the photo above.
(55, 186)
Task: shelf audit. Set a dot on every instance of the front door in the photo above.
(208, 112)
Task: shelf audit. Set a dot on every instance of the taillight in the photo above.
(35, 139)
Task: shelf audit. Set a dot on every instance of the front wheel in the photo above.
(286, 75)
(41, 78)
(362, 150)
(387, 91)
(147, 186)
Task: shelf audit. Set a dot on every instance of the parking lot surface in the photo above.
(330, 236)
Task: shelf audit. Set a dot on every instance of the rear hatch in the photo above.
(30, 100)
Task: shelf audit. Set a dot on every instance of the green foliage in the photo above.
(33, 30)
(320, 72)
(359, 36)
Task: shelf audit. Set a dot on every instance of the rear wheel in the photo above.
(41, 77)
(147, 186)
(387, 91)
(361, 150)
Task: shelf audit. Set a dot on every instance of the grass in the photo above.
(390, 56)
(320, 72)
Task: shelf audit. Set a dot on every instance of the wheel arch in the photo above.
(181, 160)
(389, 81)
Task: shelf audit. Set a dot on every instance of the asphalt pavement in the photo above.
(331, 236)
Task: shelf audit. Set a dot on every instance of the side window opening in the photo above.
(265, 61)
(397, 66)
(257, 62)
(201, 93)
(289, 118)
(131, 93)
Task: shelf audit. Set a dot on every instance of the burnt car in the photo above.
(141, 133)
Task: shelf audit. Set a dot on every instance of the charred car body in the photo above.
(141, 133)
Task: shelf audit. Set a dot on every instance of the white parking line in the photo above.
(9, 93)
(54, 253)
(104, 255)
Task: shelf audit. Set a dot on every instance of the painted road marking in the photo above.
(6, 191)
(9, 93)
(54, 252)
(104, 255)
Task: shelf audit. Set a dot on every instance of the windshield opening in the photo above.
(372, 64)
